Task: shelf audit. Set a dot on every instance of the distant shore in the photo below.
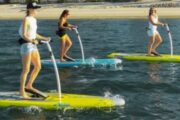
(86, 11)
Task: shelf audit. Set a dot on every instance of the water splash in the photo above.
(33, 109)
(118, 99)
(93, 63)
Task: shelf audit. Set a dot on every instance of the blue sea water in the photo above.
(151, 90)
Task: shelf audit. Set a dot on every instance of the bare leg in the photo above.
(150, 45)
(26, 61)
(68, 45)
(35, 58)
(158, 41)
(62, 50)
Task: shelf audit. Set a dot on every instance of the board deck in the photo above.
(71, 101)
(144, 57)
(80, 63)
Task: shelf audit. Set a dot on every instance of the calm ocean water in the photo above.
(151, 90)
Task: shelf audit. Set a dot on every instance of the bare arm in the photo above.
(62, 24)
(160, 23)
(25, 34)
(40, 37)
(151, 19)
(71, 26)
(25, 28)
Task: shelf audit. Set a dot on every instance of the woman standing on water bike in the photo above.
(29, 51)
(66, 42)
(155, 37)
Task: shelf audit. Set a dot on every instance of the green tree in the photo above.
(61, 1)
(28, 1)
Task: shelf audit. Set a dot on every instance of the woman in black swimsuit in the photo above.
(66, 42)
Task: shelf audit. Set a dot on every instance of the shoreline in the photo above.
(53, 11)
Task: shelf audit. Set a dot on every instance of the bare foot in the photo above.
(32, 88)
(155, 53)
(36, 92)
(68, 58)
(62, 60)
(150, 55)
(25, 96)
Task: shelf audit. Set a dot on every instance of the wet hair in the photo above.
(64, 13)
(150, 10)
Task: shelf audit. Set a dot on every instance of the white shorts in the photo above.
(152, 32)
(28, 48)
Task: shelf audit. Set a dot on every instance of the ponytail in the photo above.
(27, 12)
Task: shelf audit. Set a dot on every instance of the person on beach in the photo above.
(155, 37)
(66, 42)
(29, 52)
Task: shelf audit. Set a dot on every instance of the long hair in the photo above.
(64, 13)
(27, 12)
(150, 10)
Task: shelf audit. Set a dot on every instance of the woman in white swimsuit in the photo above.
(155, 37)
(29, 51)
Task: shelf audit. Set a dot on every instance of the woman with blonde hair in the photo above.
(155, 37)
(29, 52)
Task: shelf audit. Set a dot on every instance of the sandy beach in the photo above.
(52, 11)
